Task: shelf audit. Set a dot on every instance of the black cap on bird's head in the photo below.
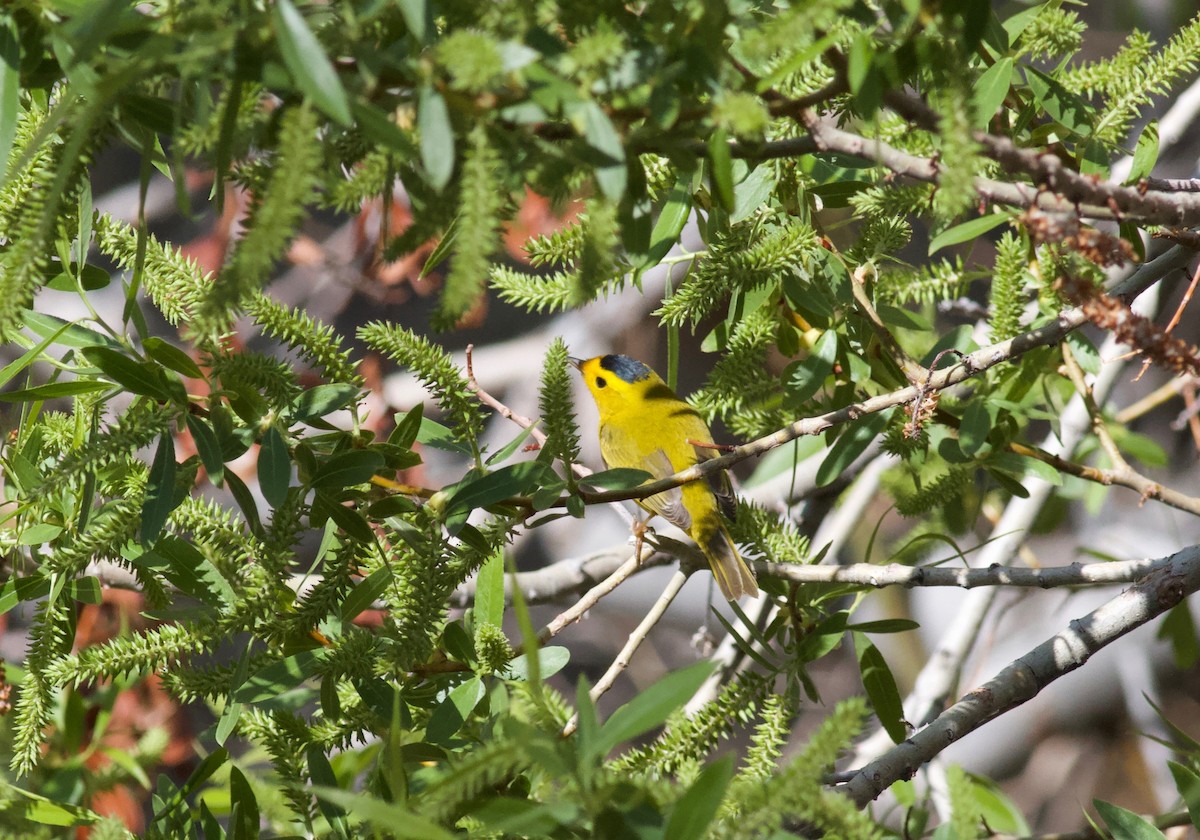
(628, 369)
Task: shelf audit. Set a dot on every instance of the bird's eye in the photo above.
(601, 382)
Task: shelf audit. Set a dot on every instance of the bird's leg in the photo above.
(639, 529)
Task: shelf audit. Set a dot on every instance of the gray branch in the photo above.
(1172, 580)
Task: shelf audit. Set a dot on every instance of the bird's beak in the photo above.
(575, 362)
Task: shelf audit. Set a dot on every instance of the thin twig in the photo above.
(500, 408)
(635, 640)
(569, 616)
(1187, 297)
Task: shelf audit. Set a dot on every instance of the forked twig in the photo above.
(635, 640)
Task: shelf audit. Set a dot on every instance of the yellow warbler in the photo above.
(644, 425)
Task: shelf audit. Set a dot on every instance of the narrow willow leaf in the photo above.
(720, 162)
(347, 469)
(489, 591)
(849, 445)
(244, 819)
(160, 490)
(10, 77)
(170, 356)
(274, 467)
(695, 810)
(670, 222)
(281, 676)
(611, 173)
(1125, 824)
(990, 90)
(881, 688)
(972, 229)
(308, 63)
(1145, 155)
(1187, 782)
(208, 448)
(652, 707)
(437, 137)
(137, 377)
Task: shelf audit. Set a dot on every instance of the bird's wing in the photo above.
(669, 503)
(719, 483)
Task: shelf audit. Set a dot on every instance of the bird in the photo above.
(644, 425)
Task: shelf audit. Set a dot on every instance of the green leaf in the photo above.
(977, 422)
(620, 478)
(244, 818)
(347, 469)
(1180, 630)
(670, 222)
(881, 689)
(66, 333)
(550, 661)
(90, 277)
(489, 591)
(274, 467)
(990, 90)
(171, 357)
(437, 137)
(137, 377)
(884, 625)
(380, 127)
(720, 162)
(323, 399)
(349, 520)
(54, 389)
(598, 131)
(695, 810)
(407, 426)
(1145, 155)
(1125, 824)
(449, 716)
(188, 570)
(651, 708)
(752, 192)
(281, 676)
(1064, 107)
(1187, 782)
(309, 65)
(160, 497)
(504, 483)
(245, 499)
(442, 250)
(366, 593)
(29, 356)
(18, 589)
(972, 229)
(208, 448)
(321, 773)
(10, 87)
(803, 379)
(396, 820)
(510, 448)
(849, 445)
(416, 18)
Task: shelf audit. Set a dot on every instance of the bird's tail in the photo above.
(732, 574)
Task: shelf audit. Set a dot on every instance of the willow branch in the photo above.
(1026, 676)
(894, 574)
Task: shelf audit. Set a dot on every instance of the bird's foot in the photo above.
(640, 529)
